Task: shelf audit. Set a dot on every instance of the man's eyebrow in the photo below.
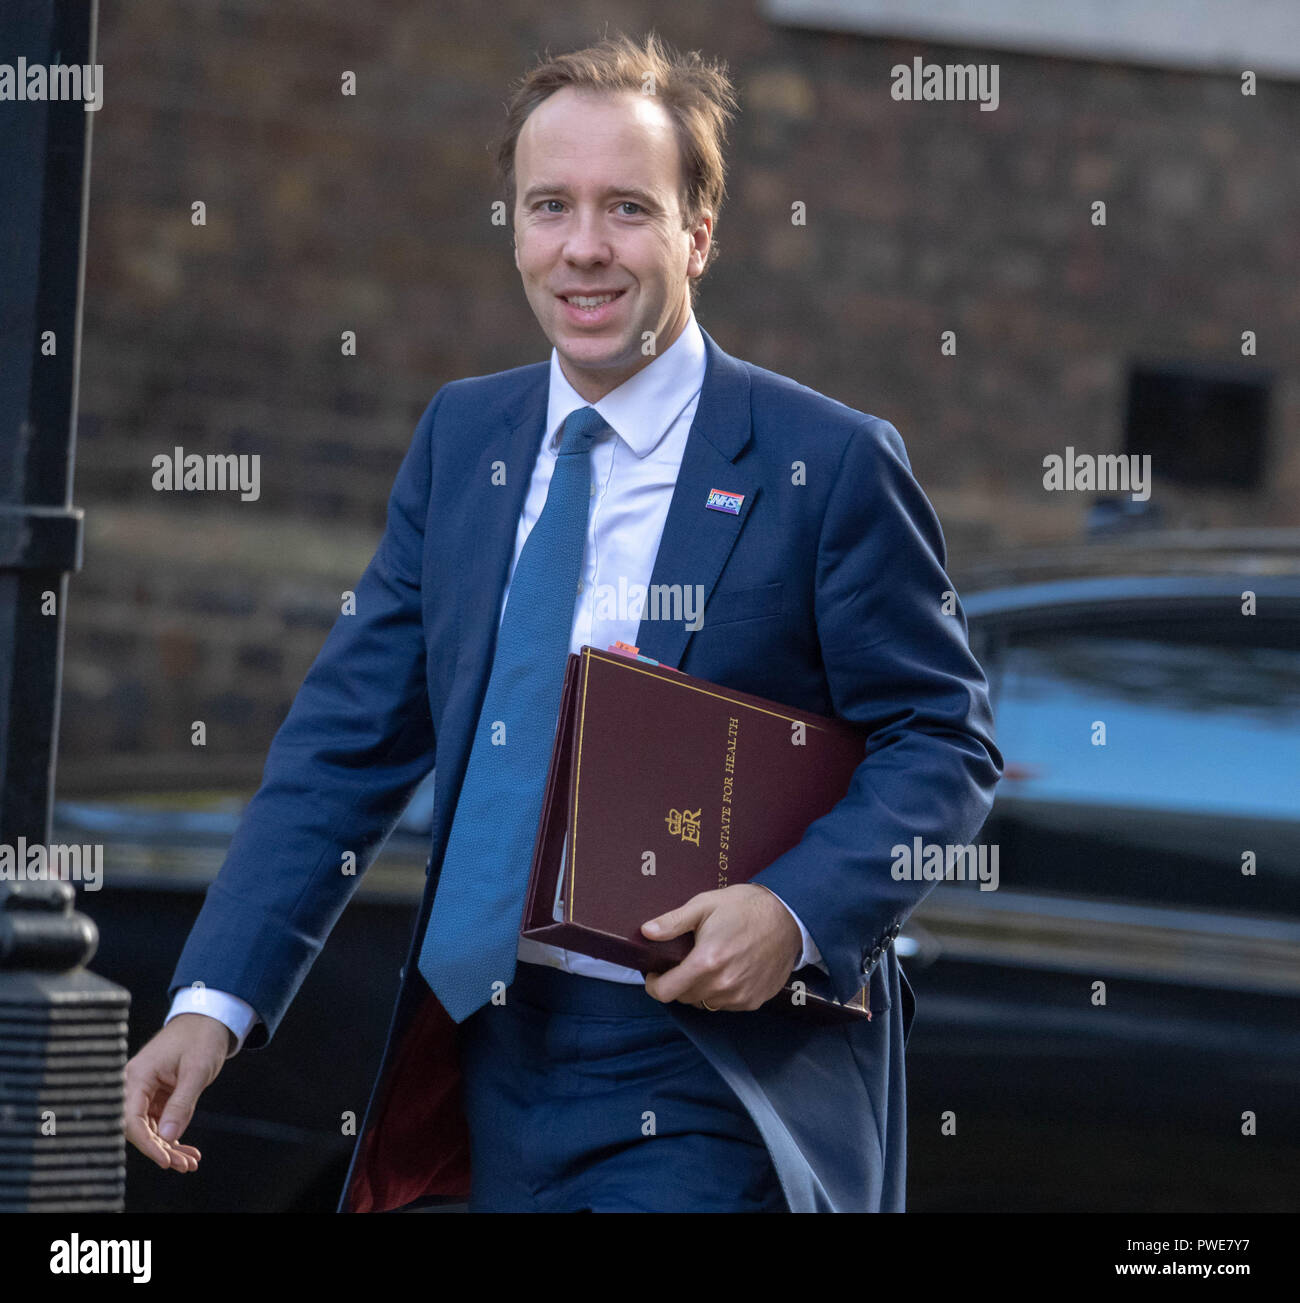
(643, 197)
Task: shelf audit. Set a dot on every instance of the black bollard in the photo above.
(62, 1053)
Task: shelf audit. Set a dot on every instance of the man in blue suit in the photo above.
(517, 1075)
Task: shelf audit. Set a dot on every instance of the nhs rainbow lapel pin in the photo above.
(721, 500)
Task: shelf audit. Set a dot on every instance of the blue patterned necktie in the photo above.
(473, 935)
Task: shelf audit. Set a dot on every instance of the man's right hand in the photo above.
(164, 1082)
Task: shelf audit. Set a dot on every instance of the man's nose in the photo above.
(587, 241)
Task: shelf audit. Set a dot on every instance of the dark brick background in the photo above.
(327, 213)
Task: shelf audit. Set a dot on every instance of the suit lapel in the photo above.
(514, 439)
(696, 540)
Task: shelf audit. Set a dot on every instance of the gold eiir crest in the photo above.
(685, 824)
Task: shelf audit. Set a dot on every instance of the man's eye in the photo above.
(551, 201)
(629, 203)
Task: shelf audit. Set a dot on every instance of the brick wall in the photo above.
(327, 213)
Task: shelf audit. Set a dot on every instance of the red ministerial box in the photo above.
(662, 785)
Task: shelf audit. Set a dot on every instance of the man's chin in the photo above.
(594, 353)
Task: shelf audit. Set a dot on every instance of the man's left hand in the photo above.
(746, 946)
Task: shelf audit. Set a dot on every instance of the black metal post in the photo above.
(44, 174)
(62, 1029)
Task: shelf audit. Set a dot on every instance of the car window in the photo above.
(1148, 761)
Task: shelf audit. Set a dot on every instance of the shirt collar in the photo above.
(643, 408)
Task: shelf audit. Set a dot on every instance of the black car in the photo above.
(1110, 1024)
(1115, 1024)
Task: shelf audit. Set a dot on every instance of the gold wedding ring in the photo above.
(705, 1004)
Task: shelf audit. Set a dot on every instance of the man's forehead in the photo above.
(580, 118)
(594, 149)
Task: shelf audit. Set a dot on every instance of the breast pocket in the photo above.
(728, 606)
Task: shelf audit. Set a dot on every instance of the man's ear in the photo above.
(701, 243)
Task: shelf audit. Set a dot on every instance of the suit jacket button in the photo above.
(875, 955)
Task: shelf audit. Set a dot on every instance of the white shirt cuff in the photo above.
(236, 1014)
(811, 955)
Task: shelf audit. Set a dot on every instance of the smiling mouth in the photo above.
(591, 300)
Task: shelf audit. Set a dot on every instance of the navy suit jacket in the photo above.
(826, 592)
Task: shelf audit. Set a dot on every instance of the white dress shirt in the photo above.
(634, 469)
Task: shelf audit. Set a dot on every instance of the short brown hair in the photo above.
(697, 93)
